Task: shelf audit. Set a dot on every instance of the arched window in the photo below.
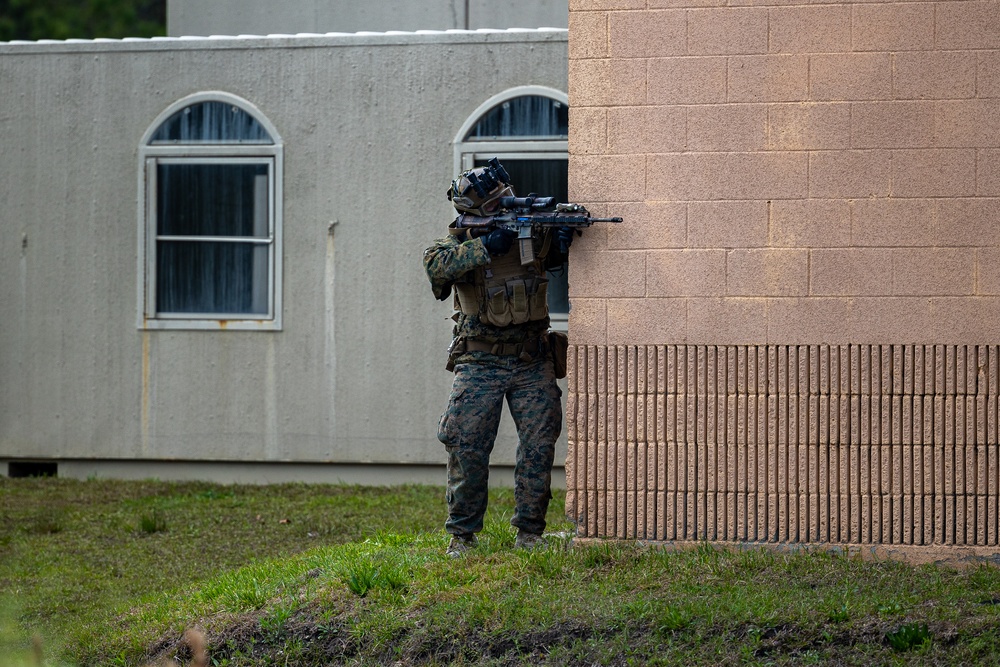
(527, 128)
(210, 217)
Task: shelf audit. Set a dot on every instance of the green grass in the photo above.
(320, 575)
(73, 552)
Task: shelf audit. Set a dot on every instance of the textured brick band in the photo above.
(814, 444)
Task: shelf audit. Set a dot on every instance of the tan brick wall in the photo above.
(853, 444)
(795, 178)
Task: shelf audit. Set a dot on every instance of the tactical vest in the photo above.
(504, 292)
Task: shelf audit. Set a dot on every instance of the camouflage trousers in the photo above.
(468, 428)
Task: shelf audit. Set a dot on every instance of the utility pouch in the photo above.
(455, 350)
(559, 350)
(497, 310)
(517, 292)
(465, 298)
(538, 302)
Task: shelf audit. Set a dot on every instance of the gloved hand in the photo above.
(499, 241)
(564, 235)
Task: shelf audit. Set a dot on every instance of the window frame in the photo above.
(466, 152)
(153, 154)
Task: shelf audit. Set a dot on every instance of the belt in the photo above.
(526, 350)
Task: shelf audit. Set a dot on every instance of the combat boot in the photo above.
(459, 544)
(526, 540)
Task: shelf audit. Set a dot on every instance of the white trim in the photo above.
(220, 324)
(149, 235)
(549, 150)
(277, 248)
(205, 153)
(259, 240)
(212, 96)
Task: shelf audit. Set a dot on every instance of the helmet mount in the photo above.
(478, 191)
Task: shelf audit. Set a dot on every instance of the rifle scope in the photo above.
(530, 202)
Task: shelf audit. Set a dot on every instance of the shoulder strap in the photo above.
(546, 245)
(454, 228)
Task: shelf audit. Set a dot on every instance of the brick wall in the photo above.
(796, 180)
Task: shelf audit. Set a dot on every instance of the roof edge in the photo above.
(390, 37)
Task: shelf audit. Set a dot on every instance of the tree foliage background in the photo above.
(81, 19)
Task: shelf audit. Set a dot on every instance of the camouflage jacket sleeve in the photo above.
(449, 259)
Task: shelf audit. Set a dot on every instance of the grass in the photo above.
(320, 575)
(72, 552)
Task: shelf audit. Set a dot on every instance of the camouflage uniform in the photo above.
(468, 427)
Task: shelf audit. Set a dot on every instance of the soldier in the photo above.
(500, 350)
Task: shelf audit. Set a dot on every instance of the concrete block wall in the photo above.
(810, 191)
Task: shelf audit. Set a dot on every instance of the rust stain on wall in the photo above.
(145, 407)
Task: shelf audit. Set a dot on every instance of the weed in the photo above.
(48, 523)
(892, 608)
(673, 619)
(811, 657)
(755, 559)
(497, 532)
(387, 538)
(273, 623)
(360, 578)
(839, 614)
(251, 596)
(547, 562)
(364, 573)
(707, 553)
(214, 494)
(152, 522)
(605, 554)
(908, 636)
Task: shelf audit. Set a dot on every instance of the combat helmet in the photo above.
(478, 191)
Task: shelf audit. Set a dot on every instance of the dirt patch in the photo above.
(321, 639)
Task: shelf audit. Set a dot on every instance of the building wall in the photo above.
(793, 336)
(356, 377)
(263, 17)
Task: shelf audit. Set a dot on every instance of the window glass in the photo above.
(211, 277)
(211, 122)
(211, 199)
(523, 117)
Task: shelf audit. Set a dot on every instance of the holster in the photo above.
(559, 350)
(455, 350)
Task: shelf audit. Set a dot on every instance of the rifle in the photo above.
(528, 217)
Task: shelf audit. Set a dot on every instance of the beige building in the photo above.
(794, 337)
